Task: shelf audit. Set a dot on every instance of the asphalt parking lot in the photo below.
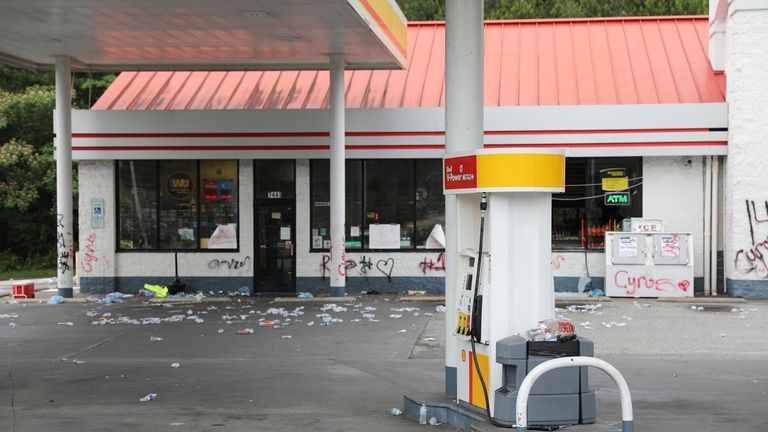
(84, 366)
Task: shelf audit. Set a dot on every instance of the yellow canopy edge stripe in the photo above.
(390, 22)
(520, 170)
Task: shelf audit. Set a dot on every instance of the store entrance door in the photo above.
(275, 247)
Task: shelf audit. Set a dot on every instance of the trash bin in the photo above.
(561, 397)
(23, 289)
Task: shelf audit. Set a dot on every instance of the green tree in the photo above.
(27, 166)
(430, 10)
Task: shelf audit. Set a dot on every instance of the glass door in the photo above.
(275, 247)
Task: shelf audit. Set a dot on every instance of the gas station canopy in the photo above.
(108, 35)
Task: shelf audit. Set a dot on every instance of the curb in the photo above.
(719, 299)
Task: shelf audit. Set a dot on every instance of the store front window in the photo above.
(390, 204)
(177, 205)
(599, 193)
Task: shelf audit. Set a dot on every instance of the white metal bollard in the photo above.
(538, 371)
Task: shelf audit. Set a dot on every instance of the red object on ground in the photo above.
(22, 290)
(245, 332)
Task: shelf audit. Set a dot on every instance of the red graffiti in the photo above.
(556, 261)
(428, 264)
(90, 249)
(631, 284)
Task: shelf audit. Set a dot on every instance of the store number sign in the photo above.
(274, 194)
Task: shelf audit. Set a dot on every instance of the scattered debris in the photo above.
(405, 309)
(402, 331)
(155, 339)
(286, 337)
(333, 307)
(395, 411)
(613, 324)
(68, 323)
(440, 308)
(305, 295)
(175, 365)
(245, 331)
(57, 299)
(149, 397)
(591, 308)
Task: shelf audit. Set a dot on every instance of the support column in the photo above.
(463, 132)
(338, 195)
(745, 196)
(64, 237)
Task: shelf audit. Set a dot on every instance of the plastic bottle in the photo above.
(423, 414)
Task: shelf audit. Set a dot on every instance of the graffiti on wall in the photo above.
(348, 265)
(557, 260)
(89, 257)
(230, 264)
(633, 284)
(384, 266)
(752, 260)
(433, 265)
(64, 250)
(366, 265)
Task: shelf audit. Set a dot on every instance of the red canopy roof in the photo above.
(595, 61)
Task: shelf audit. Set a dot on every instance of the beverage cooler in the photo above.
(640, 264)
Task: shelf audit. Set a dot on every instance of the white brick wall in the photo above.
(673, 191)
(746, 178)
(97, 245)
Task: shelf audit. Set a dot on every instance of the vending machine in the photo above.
(648, 264)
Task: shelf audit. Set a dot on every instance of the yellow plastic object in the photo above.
(159, 290)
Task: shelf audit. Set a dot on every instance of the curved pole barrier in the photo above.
(538, 371)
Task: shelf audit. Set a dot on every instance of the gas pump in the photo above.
(504, 284)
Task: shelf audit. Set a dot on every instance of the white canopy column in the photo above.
(463, 132)
(64, 238)
(337, 103)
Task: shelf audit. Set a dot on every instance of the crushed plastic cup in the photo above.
(57, 299)
(175, 365)
(149, 397)
(395, 411)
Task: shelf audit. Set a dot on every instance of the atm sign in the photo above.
(460, 172)
(617, 198)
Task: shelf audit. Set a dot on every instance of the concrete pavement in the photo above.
(689, 370)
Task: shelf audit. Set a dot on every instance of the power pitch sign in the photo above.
(460, 172)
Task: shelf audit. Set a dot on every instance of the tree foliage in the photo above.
(27, 166)
(430, 10)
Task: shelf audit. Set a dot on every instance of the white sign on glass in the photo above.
(384, 236)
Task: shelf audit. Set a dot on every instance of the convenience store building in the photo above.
(229, 170)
